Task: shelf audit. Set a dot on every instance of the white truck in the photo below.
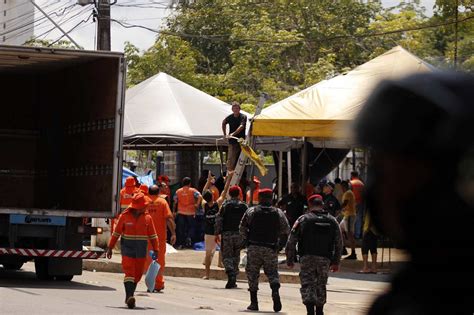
(61, 154)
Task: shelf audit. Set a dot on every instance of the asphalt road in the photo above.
(102, 293)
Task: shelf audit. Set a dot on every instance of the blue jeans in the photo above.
(184, 229)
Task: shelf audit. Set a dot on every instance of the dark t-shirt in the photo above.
(294, 207)
(234, 123)
(331, 204)
(210, 218)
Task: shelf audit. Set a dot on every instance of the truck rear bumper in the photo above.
(29, 252)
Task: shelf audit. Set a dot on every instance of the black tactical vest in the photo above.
(264, 227)
(233, 212)
(318, 233)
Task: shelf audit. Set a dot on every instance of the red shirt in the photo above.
(358, 190)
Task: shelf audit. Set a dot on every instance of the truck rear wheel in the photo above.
(41, 268)
(13, 266)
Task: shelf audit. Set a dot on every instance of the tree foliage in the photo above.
(236, 49)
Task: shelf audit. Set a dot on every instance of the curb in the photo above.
(188, 272)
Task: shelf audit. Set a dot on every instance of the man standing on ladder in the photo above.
(237, 124)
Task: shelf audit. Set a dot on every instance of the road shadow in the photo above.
(23, 279)
(350, 270)
(261, 312)
(136, 308)
(351, 275)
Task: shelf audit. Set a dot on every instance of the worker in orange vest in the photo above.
(186, 203)
(160, 212)
(256, 188)
(144, 189)
(164, 184)
(135, 228)
(126, 195)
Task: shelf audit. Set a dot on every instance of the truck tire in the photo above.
(64, 278)
(13, 266)
(41, 268)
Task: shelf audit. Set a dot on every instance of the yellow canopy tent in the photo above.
(325, 110)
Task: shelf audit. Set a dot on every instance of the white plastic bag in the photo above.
(151, 274)
(243, 261)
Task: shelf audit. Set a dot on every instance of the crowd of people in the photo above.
(229, 224)
(333, 213)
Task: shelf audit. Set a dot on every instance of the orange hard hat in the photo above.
(130, 181)
(139, 201)
(144, 188)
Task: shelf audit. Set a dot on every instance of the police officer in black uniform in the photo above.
(265, 230)
(319, 242)
(227, 224)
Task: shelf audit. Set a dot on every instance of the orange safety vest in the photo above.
(255, 196)
(126, 195)
(159, 211)
(135, 233)
(186, 201)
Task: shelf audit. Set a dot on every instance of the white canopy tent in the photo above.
(164, 112)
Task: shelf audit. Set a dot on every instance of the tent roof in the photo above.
(163, 111)
(325, 110)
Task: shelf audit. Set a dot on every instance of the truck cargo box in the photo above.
(61, 131)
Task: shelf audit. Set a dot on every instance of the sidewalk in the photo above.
(188, 263)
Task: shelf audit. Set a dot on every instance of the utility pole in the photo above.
(103, 25)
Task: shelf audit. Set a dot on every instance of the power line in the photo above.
(22, 26)
(72, 29)
(76, 15)
(227, 37)
(34, 24)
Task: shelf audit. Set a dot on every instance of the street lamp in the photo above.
(159, 159)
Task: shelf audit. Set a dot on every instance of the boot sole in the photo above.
(252, 308)
(131, 302)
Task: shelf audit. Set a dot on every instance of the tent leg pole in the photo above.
(288, 165)
(280, 174)
(304, 162)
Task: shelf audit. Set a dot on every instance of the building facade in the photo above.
(16, 21)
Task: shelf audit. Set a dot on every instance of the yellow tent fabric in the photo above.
(326, 109)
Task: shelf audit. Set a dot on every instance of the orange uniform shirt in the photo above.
(126, 195)
(135, 232)
(160, 212)
(255, 196)
(215, 193)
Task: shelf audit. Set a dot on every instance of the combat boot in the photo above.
(276, 298)
(309, 309)
(253, 301)
(231, 283)
(319, 310)
(129, 291)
